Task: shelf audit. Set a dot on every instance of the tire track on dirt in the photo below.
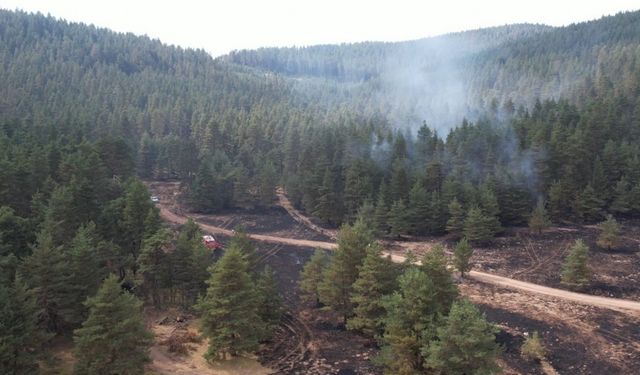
(605, 302)
(585, 299)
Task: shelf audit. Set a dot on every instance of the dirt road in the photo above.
(585, 299)
(604, 302)
(168, 215)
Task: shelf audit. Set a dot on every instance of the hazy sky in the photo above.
(220, 26)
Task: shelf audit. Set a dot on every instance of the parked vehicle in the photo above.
(210, 242)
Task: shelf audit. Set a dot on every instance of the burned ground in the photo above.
(580, 339)
(538, 259)
(309, 341)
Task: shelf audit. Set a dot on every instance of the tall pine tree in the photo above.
(376, 279)
(465, 345)
(113, 339)
(339, 276)
(229, 310)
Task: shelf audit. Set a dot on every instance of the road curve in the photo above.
(168, 215)
(585, 299)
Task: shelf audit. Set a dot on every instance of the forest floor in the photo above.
(173, 326)
(580, 339)
(538, 258)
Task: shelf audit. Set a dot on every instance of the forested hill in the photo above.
(443, 78)
(343, 128)
(363, 61)
(56, 72)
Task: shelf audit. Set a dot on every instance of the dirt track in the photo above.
(607, 335)
(604, 302)
(609, 303)
(179, 219)
(586, 299)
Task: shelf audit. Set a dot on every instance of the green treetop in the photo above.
(575, 270)
(113, 339)
(610, 233)
(229, 310)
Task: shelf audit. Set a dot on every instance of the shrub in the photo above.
(532, 348)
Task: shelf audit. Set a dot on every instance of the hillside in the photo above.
(350, 118)
(442, 79)
(514, 150)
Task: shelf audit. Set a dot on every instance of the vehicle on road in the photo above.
(210, 242)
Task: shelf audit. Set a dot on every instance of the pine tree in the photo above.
(154, 266)
(86, 269)
(136, 210)
(465, 345)
(152, 223)
(202, 260)
(376, 279)
(411, 319)
(229, 310)
(462, 256)
(241, 186)
(610, 234)
(490, 209)
(419, 209)
(21, 340)
(478, 227)
(434, 176)
(147, 154)
(437, 217)
(515, 202)
(398, 219)
(358, 187)
(312, 275)
(113, 339)
(622, 197)
(532, 348)
(366, 214)
(575, 271)
(539, 219)
(339, 276)
(15, 235)
(588, 206)
(400, 184)
(635, 199)
(380, 217)
(242, 242)
(184, 265)
(558, 198)
(325, 203)
(434, 265)
(60, 220)
(203, 188)
(269, 302)
(47, 273)
(599, 180)
(455, 224)
(267, 184)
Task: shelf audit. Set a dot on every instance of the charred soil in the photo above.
(538, 259)
(579, 339)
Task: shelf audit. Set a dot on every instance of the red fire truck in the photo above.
(210, 242)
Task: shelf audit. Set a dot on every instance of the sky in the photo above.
(219, 26)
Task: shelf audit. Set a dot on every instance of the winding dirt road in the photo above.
(171, 216)
(586, 299)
